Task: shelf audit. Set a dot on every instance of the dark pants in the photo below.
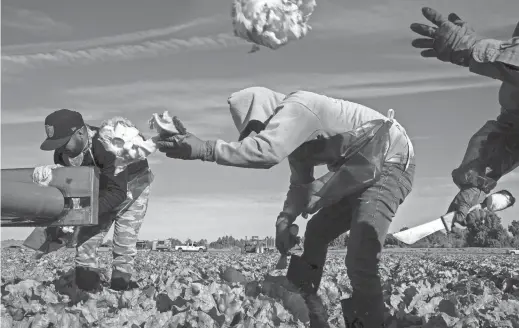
(367, 215)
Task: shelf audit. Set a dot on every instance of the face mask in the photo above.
(497, 202)
(76, 161)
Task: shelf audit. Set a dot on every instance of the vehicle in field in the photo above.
(513, 251)
(142, 244)
(191, 247)
(161, 245)
(256, 245)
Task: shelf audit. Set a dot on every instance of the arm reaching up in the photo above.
(454, 41)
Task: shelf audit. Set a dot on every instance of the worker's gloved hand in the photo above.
(452, 41)
(462, 203)
(187, 147)
(460, 218)
(285, 236)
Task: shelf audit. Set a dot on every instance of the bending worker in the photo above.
(493, 151)
(123, 198)
(285, 126)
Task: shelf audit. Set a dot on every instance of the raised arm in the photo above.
(454, 41)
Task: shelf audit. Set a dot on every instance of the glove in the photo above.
(462, 203)
(286, 234)
(187, 147)
(453, 41)
(42, 175)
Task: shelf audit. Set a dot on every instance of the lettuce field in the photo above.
(224, 289)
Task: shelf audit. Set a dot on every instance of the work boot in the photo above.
(121, 281)
(354, 319)
(349, 314)
(306, 279)
(88, 279)
(303, 275)
(316, 311)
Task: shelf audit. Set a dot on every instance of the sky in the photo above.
(130, 58)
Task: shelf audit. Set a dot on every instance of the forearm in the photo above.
(296, 201)
(497, 59)
(302, 174)
(466, 198)
(249, 153)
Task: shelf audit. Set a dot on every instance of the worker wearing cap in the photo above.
(123, 198)
(493, 151)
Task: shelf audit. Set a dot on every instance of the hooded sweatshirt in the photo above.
(292, 121)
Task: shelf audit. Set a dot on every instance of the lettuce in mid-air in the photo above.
(271, 23)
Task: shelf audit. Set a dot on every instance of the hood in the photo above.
(255, 103)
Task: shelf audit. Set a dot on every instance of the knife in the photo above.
(412, 235)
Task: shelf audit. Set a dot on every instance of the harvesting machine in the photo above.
(256, 245)
(70, 199)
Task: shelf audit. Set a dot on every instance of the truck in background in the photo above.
(161, 245)
(191, 247)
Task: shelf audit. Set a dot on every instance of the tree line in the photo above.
(483, 230)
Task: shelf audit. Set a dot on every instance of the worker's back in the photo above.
(341, 116)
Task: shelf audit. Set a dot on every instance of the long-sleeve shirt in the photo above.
(112, 188)
(301, 117)
(500, 60)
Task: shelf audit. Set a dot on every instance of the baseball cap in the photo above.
(60, 126)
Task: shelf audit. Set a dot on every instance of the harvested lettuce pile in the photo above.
(271, 23)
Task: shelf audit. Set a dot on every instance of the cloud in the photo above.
(415, 138)
(391, 18)
(286, 82)
(512, 177)
(340, 18)
(45, 47)
(37, 115)
(149, 49)
(201, 102)
(34, 22)
(207, 95)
